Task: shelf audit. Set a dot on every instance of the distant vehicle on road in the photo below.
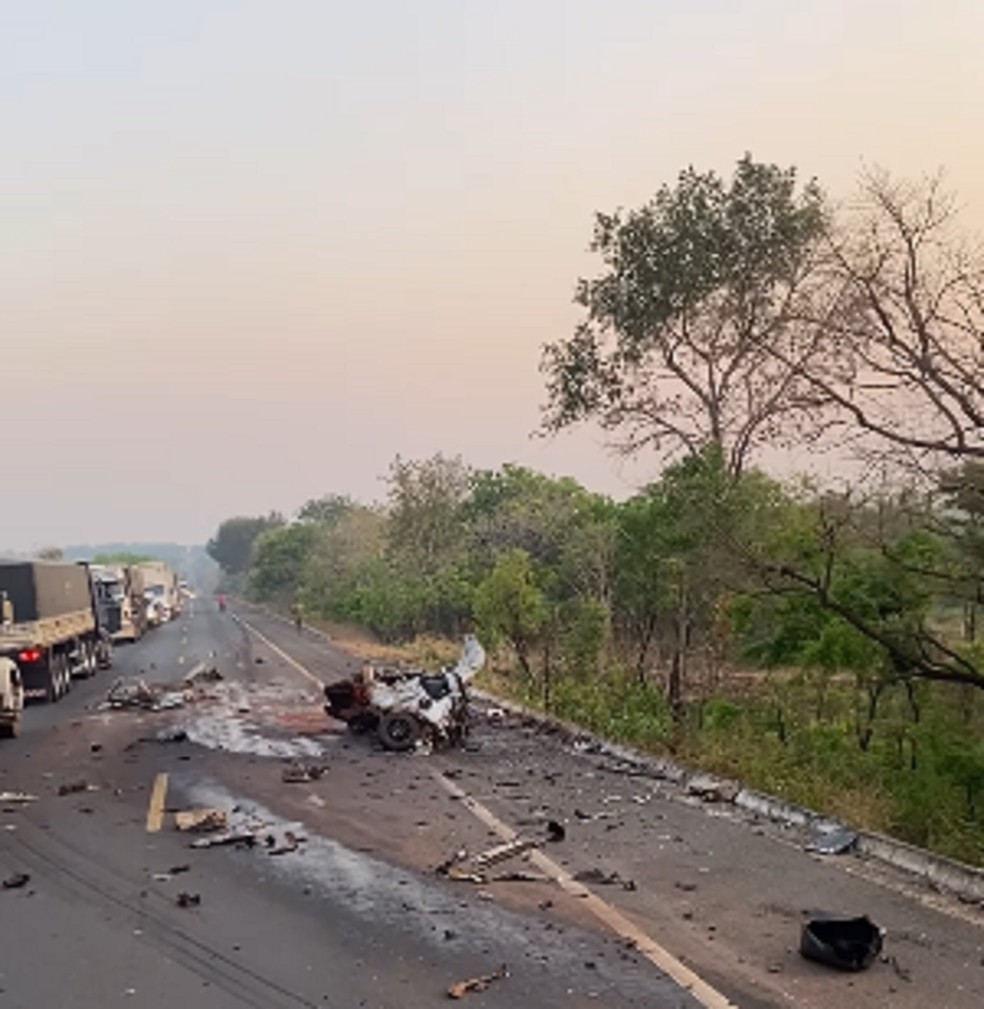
(161, 595)
(54, 631)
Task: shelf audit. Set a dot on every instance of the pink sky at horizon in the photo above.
(255, 250)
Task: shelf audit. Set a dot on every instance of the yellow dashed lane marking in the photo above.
(155, 811)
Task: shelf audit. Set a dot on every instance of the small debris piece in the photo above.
(291, 842)
(463, 875)
(140, 694)
(501, 852)
(95, 747)
(72, 787)
(475, 984)
(298, 774)
(17, 797)
(172, 736)
(845, 943)
(833, 842)
(602, 878)
(901, 972)
(520, 877)
(17, 880)
(209, 675)
(202, 821)
(445, 867)
(247, 837)
(711, 789)
(556, 831)
(185, 899)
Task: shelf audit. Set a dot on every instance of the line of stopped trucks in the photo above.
(60, 620)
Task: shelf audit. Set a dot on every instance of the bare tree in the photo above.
(903, 370)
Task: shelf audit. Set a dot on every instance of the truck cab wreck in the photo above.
(408, 706)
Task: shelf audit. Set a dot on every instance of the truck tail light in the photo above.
(30, 655)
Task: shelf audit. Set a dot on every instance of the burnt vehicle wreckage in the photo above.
(408, 706)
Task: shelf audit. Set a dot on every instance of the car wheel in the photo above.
(398, 731)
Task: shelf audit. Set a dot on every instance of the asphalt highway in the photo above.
(353, 916)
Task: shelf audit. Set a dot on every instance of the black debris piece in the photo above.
(17, 880)
(185, 899)
(172, 736)
(845, 943)
(555, 831)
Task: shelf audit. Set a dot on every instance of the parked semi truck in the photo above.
(55, 630)
(120, 591)
(11, 688)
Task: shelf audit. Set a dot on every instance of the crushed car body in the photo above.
(406, 707)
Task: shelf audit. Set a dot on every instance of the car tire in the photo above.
(398, 731)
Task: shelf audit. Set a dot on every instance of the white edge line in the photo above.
(705, 994)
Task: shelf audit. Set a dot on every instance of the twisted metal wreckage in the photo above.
(408, 706)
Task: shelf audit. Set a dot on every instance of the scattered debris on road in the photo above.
(710, 789)
(601, 878)
(17, 798)
(74, 787)
(185, 899)
(143, 696)
(172, 736)
(845, 943)
(17, 880)
(290, 843)
(501, 852)
(477, 984)
(244, 836)
(202, 821)
(556, 831)
(206, 675)
(833, 841)
(297, 773)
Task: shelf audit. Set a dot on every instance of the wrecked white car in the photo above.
(408, 706)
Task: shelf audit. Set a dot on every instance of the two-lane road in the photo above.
(328, 924)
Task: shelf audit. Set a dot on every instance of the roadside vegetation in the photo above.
(817, 638)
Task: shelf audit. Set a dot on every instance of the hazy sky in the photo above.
(251, 249)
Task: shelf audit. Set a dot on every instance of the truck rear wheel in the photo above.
(53, 686)
(60, 677)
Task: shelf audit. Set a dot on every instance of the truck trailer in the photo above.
(55, 630)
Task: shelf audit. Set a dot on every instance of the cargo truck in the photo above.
(11, 689)
(55, 631)
(120, 593)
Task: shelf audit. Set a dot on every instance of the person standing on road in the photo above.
(298, 617)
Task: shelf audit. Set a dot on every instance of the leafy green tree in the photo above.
(424, 501)
(510, 605)
(232, 546)
(327, 510)
(700, 287)
(280, 556)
